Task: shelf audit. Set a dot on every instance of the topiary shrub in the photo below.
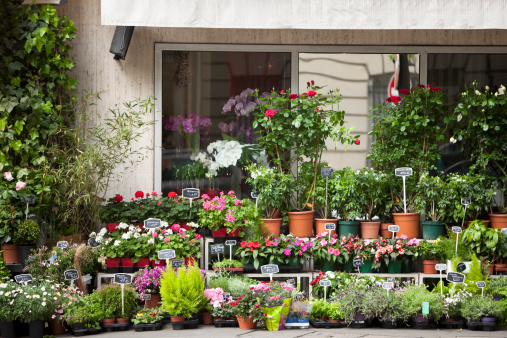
(27, 233)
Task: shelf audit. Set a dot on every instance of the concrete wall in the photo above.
(123, 80)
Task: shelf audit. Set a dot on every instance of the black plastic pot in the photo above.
(24, 252)
(7, 329)
(36, 329)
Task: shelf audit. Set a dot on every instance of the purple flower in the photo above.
(188, 127)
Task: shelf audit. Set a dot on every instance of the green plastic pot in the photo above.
(367, 267)
(348, 266)
(407, 266)
(395, 267)
(432, 229)
(347, 228)
(327, 265)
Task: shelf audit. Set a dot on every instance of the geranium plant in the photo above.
(185, 243)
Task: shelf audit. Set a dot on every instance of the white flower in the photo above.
(126, 235)
(8, 176)
(487, 88)
(193, 225)
(117, 242)
(137, 235)
(122, 226)
(477, 92)
(151, 241)
(501, 90)
(93, 234)
(452, 140)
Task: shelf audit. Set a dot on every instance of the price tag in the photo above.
(231, 242)
(122, 278)
(28, 199)
(387, 285)
(504, 231)
(457, 230)
(191, 193)
(325, 282)
(460, 267)
(177, 262)
(406, 171)
(466, 201)
(455, 277)
(425, 308)
(146, 296)
(71, 274)
(357, 263)
(393, 228)
(299, 296)
(440, 267)
(93, 242)
(269, 269)
(291, 281)
(227, 295)
(62, 244)
(166, 254)
(25, 278)
(217, 249)
(254, 195)
(330, 226)
(152, 223)
(327, 172)
(481, 284)
(391, 280)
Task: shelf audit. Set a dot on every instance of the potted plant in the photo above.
(224, 311)
(185, 243)
(431, 255)
(288, 250)
(346, 201)
(147, 318)
(433, 200)
(481, 123)
(283, 120)
(112, 213)
(328, 252)
(401, 140)
(8, 295)
(272, 188)
(111, 300)
(414, 296)
(352, 303)
(65, 297)
(472, 312)
(370, 185)
(182, 292)
(147, 282)
(228, 265)
(26, 236)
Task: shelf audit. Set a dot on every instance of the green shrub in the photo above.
(27, 233)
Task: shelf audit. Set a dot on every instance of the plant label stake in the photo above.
(404, 172)
(466, 202)
(167, 254)
(481, 285)
(326, 172)
(457, 231)
(62, 244)
(217, 249)
(29, 200)
(387, 286)
(191, 194)
(394, 229)
(71, 275)
(270, 269)
(122, 279)
(357, 263)
(24, 278)
(325, 283)
(455, 277)
(330, 227)
(230, 243)
(440, 268)
(254, 196)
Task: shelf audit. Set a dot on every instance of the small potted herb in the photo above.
(228, 265)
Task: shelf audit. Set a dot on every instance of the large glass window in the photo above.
(205, 98)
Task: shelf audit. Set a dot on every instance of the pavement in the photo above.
(210, 331)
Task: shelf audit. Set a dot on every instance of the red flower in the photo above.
(312, 93)
(436, 89)
(147, 194)
(256, 245)
(293, 96)
(308, 84)
(172, 194)
(118, 198)
(282, 92)
(429, 86)
(316, 109)
(243, 244)
(268, 242)
(404, 91)
(420, 86)
(270, 113)
(357, 141)
(304, 94)
(393, 99)
(312, 82)
(139, 194)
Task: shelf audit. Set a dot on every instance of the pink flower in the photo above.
(197, 236)
(357, 141)
(154, 235)
(323, 242)
(20, 185)
(330, 250)
(231, 192)
(175, 227)
(166, 240)
(333, 241)
(287, 251)
(274, 243)
(336, 252)
(270, 113)
(8, 176)
(237, 202)
(277, 297)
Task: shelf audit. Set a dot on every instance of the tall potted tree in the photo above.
(433, 200)
(293, 129)
(370, 188)
(347, 201)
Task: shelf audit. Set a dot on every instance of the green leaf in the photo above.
(16, 145)
(18, 125)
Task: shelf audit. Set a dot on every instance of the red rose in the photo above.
(429, 86)
(312, 82)
(304, 94)
(172, 194)
(436, 89)
(308, 84)
(393, 99)
(139, 194)
(316, 109)
(312, 93)
(357, 141)
(270, 113)
(282, 92)
(404, 91)
(420, 86)
(293, 96)
(118, 198)
(243, 244)
(256, 245)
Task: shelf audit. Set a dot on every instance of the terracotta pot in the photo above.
(498, 221)
(127, 262)
(153, 302)
(370, 229)
(122, 320)
(271, 226)
(320, 225)
(111, 227)
(334, 320)
(486, 222)
(384, 232)
(56, 327)
(246, 323)
(408, 223)
(206, 318)
(500, 267)
(489, 268)
(108, 321)
(301, 223)
(177, 319)
(429, 266)
(10, 253)
(143, 262)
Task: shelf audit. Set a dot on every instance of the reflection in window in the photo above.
(206, 104)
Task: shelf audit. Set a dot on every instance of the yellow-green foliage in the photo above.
(182, 291)
(474, 276)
